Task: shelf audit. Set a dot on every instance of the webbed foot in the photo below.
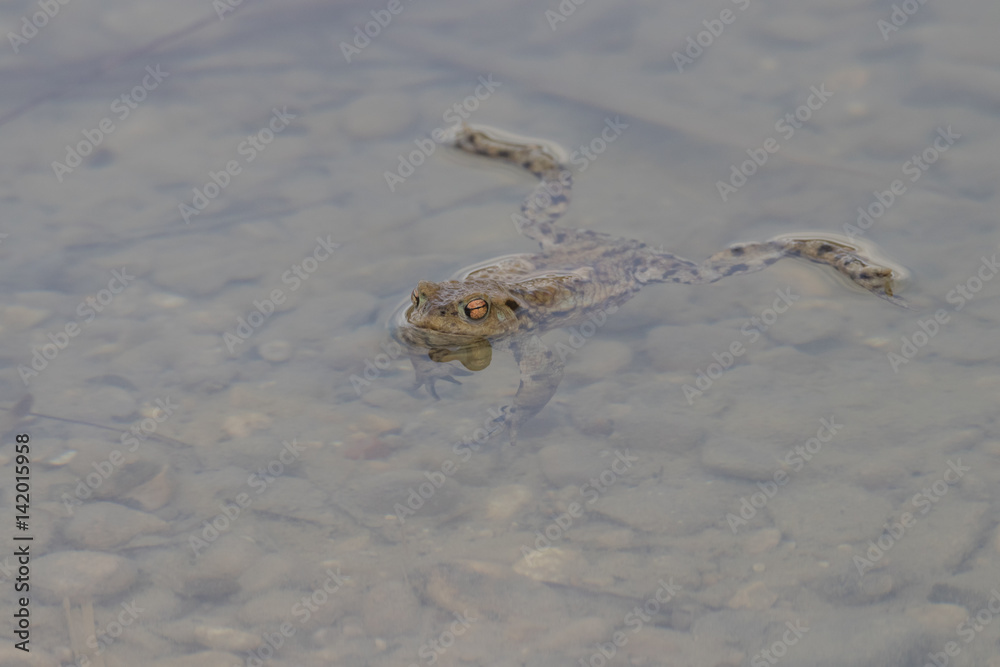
(429, 372)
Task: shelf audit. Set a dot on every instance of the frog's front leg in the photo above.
(541, 372)
(428, 372)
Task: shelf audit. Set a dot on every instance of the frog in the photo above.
(578, 275)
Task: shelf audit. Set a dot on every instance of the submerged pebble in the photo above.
(226, 639)
(82, 575)
(103, 526)
(275, 351)
(741, 458)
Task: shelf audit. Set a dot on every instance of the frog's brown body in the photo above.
(508, 303)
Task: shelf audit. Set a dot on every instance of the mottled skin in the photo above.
(579, 274)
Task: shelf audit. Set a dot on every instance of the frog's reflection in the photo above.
(475, 356)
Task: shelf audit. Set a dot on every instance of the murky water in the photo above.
(208, 223)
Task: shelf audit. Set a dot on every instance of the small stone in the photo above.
(62, 459)
(275, 351)
(216, 572)
(554, 565)
(740, 458)
(226, 639)
(22, 318)
(82, 575)
(506, 501)
(938, 618)
(166, 300)
(374, 424)
(390, 609)
(243, 424)
(753, 596)
(103, 526)
(154, 493)
(761, 541)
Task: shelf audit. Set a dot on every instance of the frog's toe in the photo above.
(446, 372)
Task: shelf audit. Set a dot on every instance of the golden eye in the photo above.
(477, 309)
(414, 298)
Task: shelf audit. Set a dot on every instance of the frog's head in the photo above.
(479, 308)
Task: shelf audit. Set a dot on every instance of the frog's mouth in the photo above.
(473, 352)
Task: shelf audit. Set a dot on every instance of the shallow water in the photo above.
(827, 498)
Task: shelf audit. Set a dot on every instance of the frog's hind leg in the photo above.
(551, 196)
(848, 259)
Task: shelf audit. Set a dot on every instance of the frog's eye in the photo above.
(477, 309)
(414, 298)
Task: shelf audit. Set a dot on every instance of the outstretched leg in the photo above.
(550, 198)
(541, 372)
(848, 259)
